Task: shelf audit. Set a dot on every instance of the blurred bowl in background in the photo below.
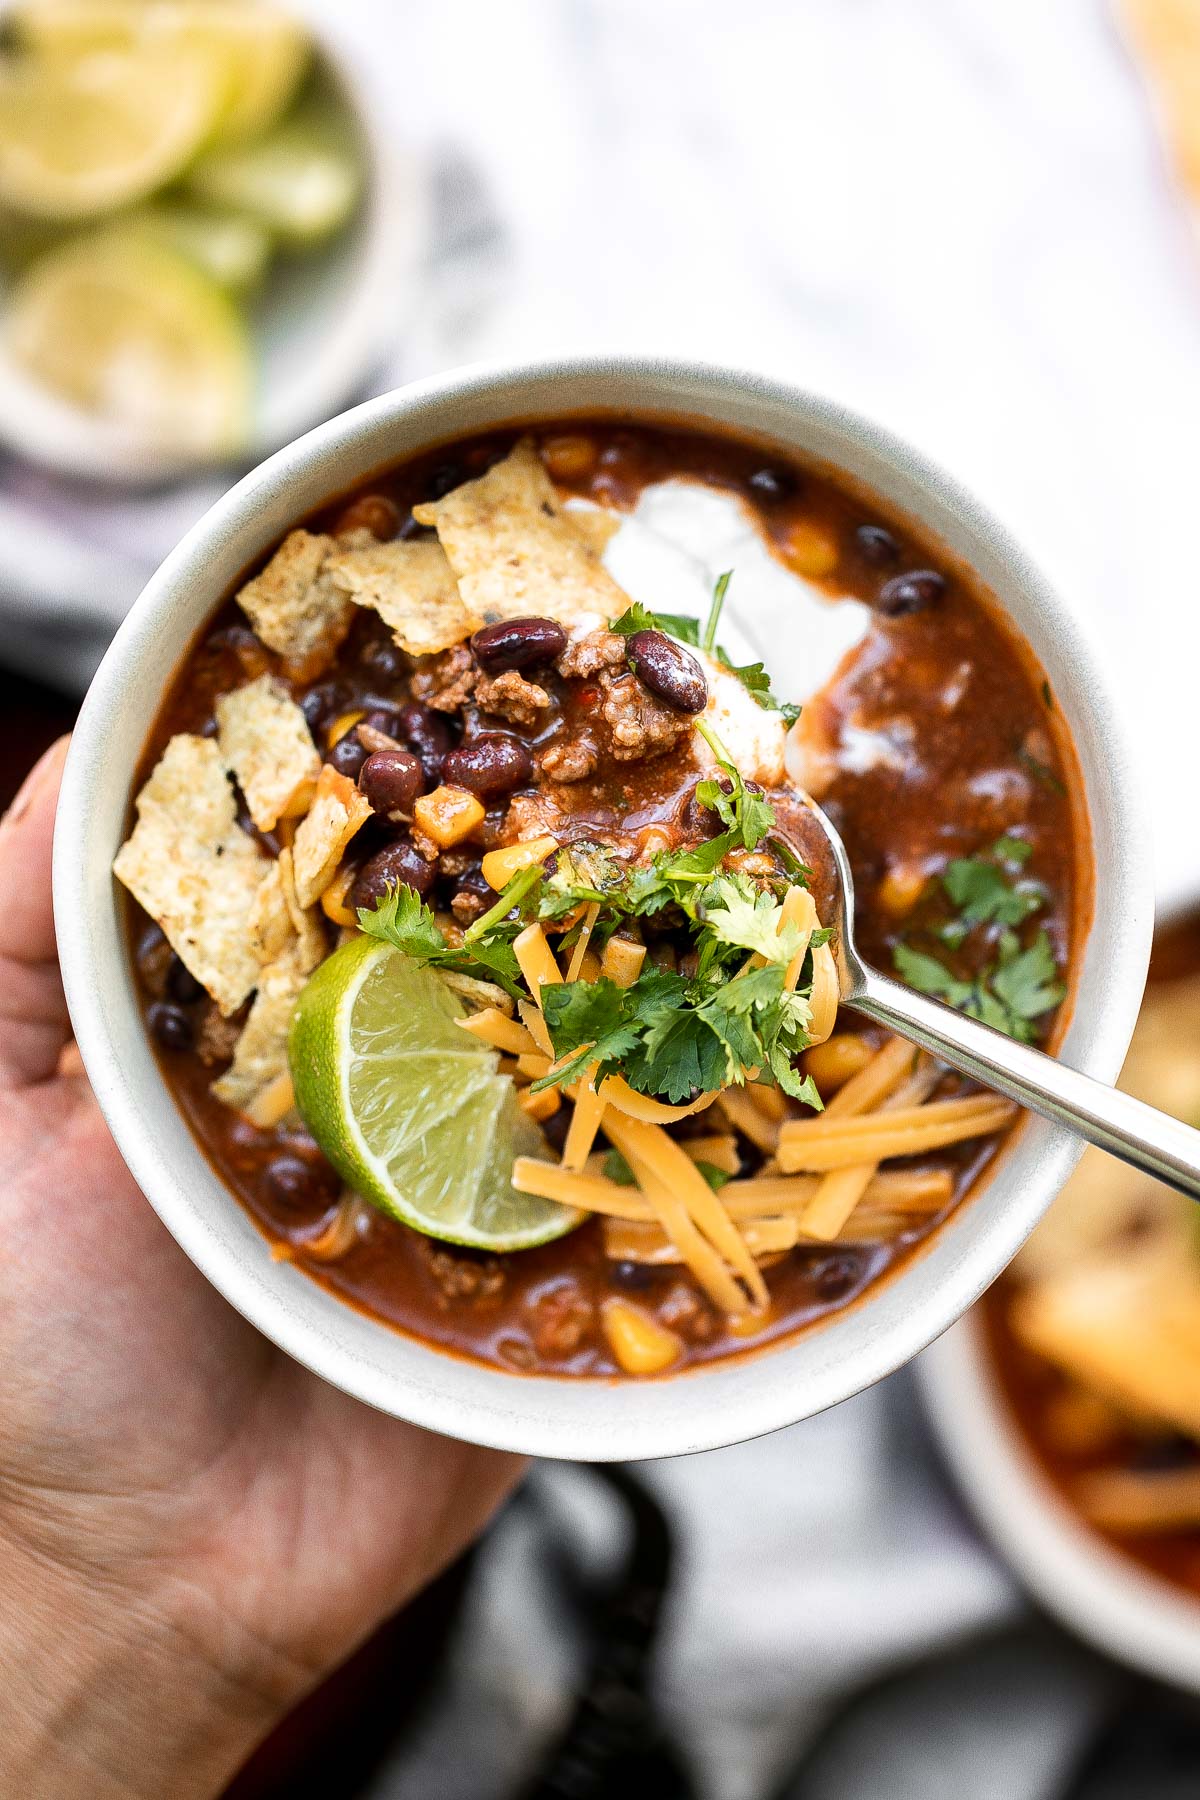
(1092, 1588)
(321, 326)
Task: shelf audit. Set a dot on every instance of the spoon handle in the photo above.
(1125, 1127)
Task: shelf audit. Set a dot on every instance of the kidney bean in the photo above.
(170, 1026)
(518, 644)
(399, 865)
(491, 764)
(391, 780)
(182, 984)
(428, 735)
(911, 593)
(301, 1183)
(383, 718)
(876, 545)
(834, 1275)
(669, 671)
(348, 755)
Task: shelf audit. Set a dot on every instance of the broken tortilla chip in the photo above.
(293, 605)
(307, 921)
(261, 1053)
(270, 920)
(194, 870)
(411, 586)
(264, 738)
(337, 811)
(516, 552)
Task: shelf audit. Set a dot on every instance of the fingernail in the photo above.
(43, 769)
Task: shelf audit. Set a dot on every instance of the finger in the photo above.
(33, 1013)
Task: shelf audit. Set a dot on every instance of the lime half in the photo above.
(409, 1109)
(86, 135)
(138, 336)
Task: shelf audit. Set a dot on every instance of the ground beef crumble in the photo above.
(597, 650)
(217, 1038)
(570, 759)
(512, 697)
(640, 729)
(446, 682)
(462, 1277)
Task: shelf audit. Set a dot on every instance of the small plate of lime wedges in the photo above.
(206, 233)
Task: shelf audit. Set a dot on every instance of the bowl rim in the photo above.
(593, 1420)
(1104, 1597)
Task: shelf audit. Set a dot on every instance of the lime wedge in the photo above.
(302, 182)
(262, 54)
(82, 136)
(234, 250)
(137, 335)
(409, 1109)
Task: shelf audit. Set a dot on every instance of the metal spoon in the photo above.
(1139, 1134)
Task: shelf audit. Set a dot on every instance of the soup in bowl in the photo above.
(471, 928)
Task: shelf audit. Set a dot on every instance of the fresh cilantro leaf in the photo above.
(800, 1087)
(716, 1178)
(513, 893)
(1012, 850)
(929, 976)
(757, 683)
(639, 618)
(402, 918)
(1026, 981)
(740, 914)
(590, 1017)
(680, 1057)
(749, 816)
(984, 894)
(618, 1170)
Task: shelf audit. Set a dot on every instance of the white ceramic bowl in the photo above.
(593, 1420)
(1094, 1590)
(322, 327)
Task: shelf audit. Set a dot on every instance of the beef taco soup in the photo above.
(480, 921)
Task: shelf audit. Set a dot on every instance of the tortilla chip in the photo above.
(194, 870)
(293, 605)
(596, 525)
(516, 551)
(337, 811)
(411, 586)
(306, 921)
(264, 738)
(270, 920)
(261, 1053)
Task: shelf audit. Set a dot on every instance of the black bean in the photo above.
(428, 735)
(322, 703)
(385, 661)
(445, 479)
(911, 593)
(476, 883)
(391, 780)
(170, 1025)
(385, 719)
(834, 1276)
(555, 1128)
(399, 865)
(518, 644)
(182, 984)
(876, 545)
(491, 764)
(668, 670)
(301, 1183)
(348, 755)
(772, 484)
(634, 1276)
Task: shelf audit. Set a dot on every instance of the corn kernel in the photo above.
(448, 815)
(499, 866)
(640, 1345)
(341, 725)
(335, 900)
(589, 968)
(810, 550)
(569, 458)
(901, 888)
(652, 842)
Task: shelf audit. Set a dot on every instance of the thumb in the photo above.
(33, 1013)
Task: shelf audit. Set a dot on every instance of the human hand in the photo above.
(193, 1529)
